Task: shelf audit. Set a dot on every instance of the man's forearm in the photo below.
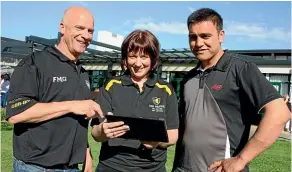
(261, 141)
(266, 134)
(41, 112)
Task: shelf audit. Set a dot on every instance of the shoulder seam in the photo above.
(111, 82)
(239, 57)
(167, 89)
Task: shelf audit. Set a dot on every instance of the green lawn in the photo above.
(276, 159)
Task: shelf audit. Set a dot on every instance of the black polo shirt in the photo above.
(122, 97)
(49, 76)
(217, 108)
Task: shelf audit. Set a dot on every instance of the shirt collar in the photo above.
(151, 81)
(223, 62)
(53, 50)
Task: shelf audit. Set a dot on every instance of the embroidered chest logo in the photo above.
(60, 79)
(156, 101)
(217, 87)
(156, 106)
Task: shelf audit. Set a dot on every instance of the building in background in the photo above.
(275, 64)
(109, 38)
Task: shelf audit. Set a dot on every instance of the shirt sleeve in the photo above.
(104, 100)
(23, 91)
(257, 88)
(172, 117)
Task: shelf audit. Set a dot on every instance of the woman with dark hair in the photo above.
(136, 93)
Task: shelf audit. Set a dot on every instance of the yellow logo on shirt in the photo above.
(156, 100)
(156, 106)
(20, 103)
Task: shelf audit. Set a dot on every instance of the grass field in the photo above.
(276, 159)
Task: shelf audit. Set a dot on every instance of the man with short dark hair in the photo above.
(220, 98)
(49, 102)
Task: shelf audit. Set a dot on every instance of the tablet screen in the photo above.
(144, 129)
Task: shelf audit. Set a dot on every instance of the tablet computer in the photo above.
(144, 129)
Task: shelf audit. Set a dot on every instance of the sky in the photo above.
(248, 25)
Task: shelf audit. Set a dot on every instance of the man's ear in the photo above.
(221, 36)
(62, 28)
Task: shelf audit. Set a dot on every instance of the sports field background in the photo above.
(276, 159)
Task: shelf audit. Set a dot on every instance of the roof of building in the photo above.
(18, 49)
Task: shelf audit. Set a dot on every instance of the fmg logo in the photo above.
(60, 79)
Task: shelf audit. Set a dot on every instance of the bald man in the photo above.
(49, 102)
